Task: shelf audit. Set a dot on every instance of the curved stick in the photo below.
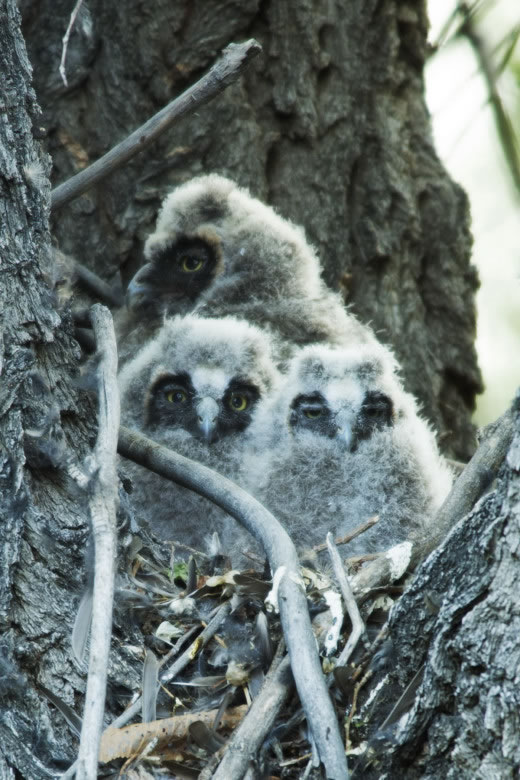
(283, 560)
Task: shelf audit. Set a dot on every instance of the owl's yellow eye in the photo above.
(191, 264)
(313, 414)
(238, 402)
(176, 396)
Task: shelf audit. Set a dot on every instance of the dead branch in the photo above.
(250, 734)
(103, 503)
(358, 627)
(477, 475)
(97, 287)
(284, 564)
(234, 60)
(352, 535)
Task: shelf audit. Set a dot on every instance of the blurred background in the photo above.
(473, 93)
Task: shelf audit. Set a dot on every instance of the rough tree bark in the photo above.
(330, 127)
(464, 722)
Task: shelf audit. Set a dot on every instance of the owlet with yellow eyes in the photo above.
(195, 388)
(218, 251)
(340, 442)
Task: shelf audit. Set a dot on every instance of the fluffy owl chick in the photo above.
(342, 441)
(219, 251)
(194, 388)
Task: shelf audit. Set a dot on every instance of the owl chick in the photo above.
(194, 388)
(342, 441)
(219, 251)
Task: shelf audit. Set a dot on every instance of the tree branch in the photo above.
(103, 502)
(358, 627)
(284, 564)
(234, 60)
(249, 736)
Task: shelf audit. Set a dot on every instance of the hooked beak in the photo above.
(138, 286)
(345, 432)
(207, 414)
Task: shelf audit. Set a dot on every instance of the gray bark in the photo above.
(41, 558)
(329, 126)
(464, 722)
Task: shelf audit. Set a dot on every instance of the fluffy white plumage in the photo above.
(340, 442)
(219, 251)
(194, 388)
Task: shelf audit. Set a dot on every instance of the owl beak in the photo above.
(345, 432)
(138, 286)
(207, 415)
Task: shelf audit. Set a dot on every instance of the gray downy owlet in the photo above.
(340, 442)
(194, 388)
(218, 251)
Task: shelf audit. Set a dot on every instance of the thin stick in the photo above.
(250, 734)
(283, 560)
(352, 535)
(478, 473)
(358, 627)
(65, 41)
(235, 58)
(92, 283)
(103, 503)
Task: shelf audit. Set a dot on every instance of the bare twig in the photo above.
(96, 286)
(65, 41)
(285, 567)
(103, 502)
(249, 736)
(465, 492)
(358, 627)
(352, 535)
(235, 58)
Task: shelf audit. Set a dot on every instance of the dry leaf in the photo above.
(125, 742)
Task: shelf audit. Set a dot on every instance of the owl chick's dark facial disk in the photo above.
(205, 412)
(195, 387)
(182, 269)
(198, 376)
(349, 426)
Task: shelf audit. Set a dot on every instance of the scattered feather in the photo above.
(150, 687)
(81, 628)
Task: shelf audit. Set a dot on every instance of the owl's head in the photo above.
(212, 237)
(343, 395)
(201, 376)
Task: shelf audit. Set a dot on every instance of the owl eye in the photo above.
(313, 414)
(176, 396)
(238, 402)
(191, 264)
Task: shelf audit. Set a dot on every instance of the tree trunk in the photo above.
(464, 722)
(42, 519)
(331, 128)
